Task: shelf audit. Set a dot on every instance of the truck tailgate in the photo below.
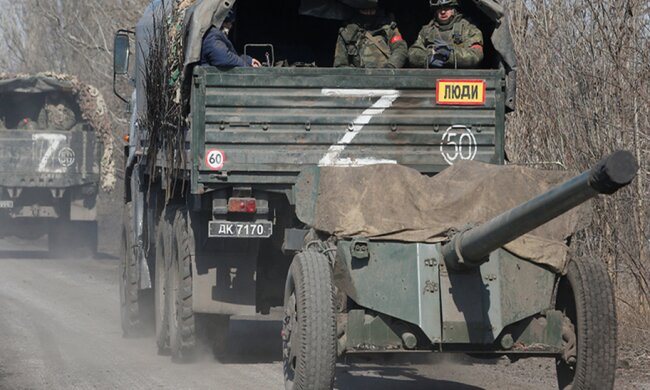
(265, 125)
(43, 158)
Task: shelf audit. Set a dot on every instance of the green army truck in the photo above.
(49, 164)
(226, 211)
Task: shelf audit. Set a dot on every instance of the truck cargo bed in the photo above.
(262, 126)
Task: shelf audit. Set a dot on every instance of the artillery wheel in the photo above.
(309, 327)
(586, 297)
(163, 252)
(134, 303)
(182, 327)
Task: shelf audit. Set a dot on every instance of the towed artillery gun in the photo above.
(236, 218)
(348, 295)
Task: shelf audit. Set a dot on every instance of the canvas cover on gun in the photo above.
(397, 203)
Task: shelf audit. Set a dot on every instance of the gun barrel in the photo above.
(472, 247)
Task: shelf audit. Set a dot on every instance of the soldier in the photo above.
(448, 41)
(370, 40)
(56, 114)
(26, 124)
(217, 50)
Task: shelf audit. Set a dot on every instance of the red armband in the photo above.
(396, 38)
(476, 46)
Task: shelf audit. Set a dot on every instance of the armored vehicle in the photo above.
(346, 196)
(49, 164)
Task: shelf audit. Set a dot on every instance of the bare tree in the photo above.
(584, 91)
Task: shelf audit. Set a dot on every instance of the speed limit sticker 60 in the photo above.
(214, 159)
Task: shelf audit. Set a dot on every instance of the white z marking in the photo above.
(386, 99)
(54, 141)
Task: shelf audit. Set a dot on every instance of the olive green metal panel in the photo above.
(540, 333)
(197, 101)
(365, 332)
(48, 159)
(396, 279)
(268, 123)
(410, 283)
(478, 304)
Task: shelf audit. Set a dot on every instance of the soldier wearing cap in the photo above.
(370, 40)
(448, 41)
(217, 50)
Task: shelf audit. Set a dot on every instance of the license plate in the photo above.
(461, 92)
(6, 204)
(226, 229)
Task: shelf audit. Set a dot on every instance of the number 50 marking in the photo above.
(463, 142)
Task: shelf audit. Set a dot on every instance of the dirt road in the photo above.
(59, 329)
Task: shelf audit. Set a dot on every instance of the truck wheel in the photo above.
(309, 327)
(585, 296)
(182, 329)
(72, 238)
(214, 330)
(163, 251)
(133, 302)
(56, 239)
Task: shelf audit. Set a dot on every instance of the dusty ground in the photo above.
(59, 329)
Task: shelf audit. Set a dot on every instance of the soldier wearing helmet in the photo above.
(370, 40)
(448, 41)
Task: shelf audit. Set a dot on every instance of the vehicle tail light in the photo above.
(242, 205)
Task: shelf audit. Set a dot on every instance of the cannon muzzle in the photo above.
(472, 248)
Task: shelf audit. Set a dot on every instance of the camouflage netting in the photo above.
(176, 40)
(93, 110)
(162, 80)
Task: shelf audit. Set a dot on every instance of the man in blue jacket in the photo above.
(217, 50)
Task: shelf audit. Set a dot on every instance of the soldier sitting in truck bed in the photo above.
(56, 115)
(370, 40)
(217, 50)
(448, 41)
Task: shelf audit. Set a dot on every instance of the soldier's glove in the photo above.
(442, 51)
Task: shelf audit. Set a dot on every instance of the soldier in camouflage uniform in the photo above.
(26, 124)
(370, 40)
(448, 41)
(56, 114)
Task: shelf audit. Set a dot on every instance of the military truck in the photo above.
(230, 215)
(49, 164)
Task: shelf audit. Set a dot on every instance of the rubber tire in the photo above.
(134, 310)
(587, 298)
(182, 321)
(72, 239)
(163, 252)
(215, 332)
(314, 330)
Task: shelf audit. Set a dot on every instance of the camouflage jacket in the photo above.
(363, 46)
(464, 37)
